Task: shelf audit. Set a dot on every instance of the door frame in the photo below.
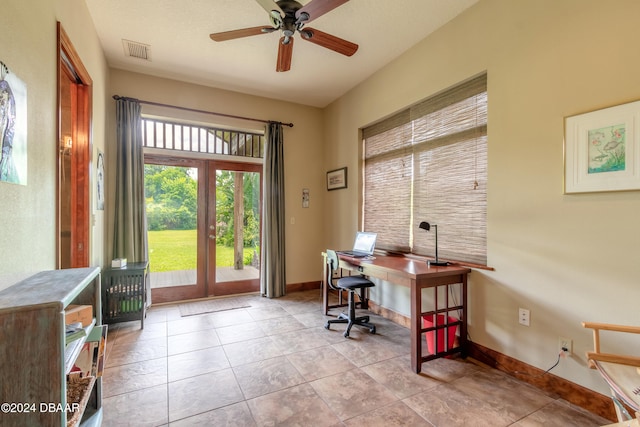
(71, 67)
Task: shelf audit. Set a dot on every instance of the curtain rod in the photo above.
(116, 97)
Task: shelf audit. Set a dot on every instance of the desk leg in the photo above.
(416, 342)
(325, 286)
(463, 328)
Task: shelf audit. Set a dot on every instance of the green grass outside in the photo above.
(177, 250)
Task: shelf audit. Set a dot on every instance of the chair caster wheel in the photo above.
(373, 330)
(346, 334)
(326, 326)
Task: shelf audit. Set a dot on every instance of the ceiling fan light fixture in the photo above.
(306, 34)
(304, 17)
(276, 19)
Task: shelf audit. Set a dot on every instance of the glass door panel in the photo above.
(234, 228)
(174, 224)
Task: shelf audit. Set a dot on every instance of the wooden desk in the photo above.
(417, 275)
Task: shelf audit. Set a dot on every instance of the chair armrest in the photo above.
(596, 355)
(612, 358)
(610, 327)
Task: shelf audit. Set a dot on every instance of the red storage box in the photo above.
(427, 321)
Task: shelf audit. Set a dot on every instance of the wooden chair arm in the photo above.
(596, 355)
(610, 327)
(612, 358)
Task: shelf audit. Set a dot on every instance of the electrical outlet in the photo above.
(565, 346)
(523, 316)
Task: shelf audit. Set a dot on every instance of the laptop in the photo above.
(363, 245)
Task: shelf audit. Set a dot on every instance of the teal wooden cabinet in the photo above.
(35, 359)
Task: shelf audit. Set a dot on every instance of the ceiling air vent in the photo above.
(136, 50)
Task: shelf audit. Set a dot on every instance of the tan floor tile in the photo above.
(447, 370)
(397, 376)
(197, 362)
(251, 351)
(561, 413)
(512, 397)
(237, 333)
(124, 352)
(150, 408)
(320, 362)
(447, 406)
(295, 406)
(280, 325)
(395, 414)
(267, 376)
(230, 318)
(134, 376)
(131, 331)
(298, 307)
(312, 319)
(203, 393)
(352, 393)
(190, 324)
(292, 342)
(263, 313)
(236, 415)
(192, 341)
(365, 351)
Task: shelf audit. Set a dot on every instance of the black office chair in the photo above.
(350, 284)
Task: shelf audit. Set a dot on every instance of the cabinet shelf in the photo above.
(72, 349)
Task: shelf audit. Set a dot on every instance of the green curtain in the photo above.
(130, 225)
(272, 278)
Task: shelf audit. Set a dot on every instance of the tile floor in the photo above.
(273, 364)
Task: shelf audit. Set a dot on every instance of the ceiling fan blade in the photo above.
(285, 52)
(330, 42)
(236, 34)
(316, 8)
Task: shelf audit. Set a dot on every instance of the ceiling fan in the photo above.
(290, 16)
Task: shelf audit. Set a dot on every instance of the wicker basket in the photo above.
(78, 391)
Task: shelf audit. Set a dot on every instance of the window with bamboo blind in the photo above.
(429, 163)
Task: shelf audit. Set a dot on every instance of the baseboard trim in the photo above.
(303, 286)
(557, 387)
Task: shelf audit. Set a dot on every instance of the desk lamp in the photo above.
(426, 226)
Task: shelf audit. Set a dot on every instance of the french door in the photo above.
(234, 227)
(204, 227)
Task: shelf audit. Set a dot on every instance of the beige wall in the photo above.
(567, 258)
(28, 48)
(303, 152)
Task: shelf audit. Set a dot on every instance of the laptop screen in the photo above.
(365, 242)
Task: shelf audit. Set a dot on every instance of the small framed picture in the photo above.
(100, 182)
(337, 179)
(602, 150)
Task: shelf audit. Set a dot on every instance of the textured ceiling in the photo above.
(177, 33)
